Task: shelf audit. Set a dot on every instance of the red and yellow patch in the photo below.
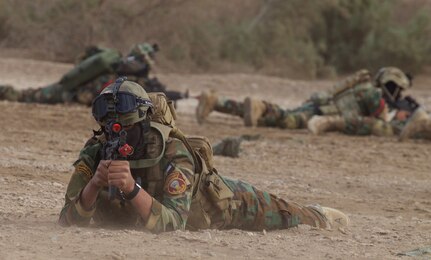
(175, 183)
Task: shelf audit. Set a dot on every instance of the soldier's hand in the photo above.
(402, 115)
(119, 175)
(100, 178)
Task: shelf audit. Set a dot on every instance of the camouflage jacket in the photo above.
(169, 182)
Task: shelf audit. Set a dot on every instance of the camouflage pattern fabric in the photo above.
(272, 116)
(250, 208)
(319, 103)
(7, 92)
(363, 115)
(169, 210)
(258, 210)
(362, 100)
(275, 116)
(373, 126)
(355, 96)
(293, 119)
(229, 106)
(233, 107)
(56, 93)
(135, 68)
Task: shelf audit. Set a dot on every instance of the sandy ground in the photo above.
(382, 184)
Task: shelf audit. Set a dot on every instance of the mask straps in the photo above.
(115, 90)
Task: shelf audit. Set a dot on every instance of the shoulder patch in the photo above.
(82, 168)
(176, 183)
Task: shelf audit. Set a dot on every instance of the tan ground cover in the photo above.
(383, 185)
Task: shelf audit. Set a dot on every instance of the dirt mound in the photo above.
(383, 185)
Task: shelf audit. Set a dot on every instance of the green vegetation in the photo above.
(281, 37)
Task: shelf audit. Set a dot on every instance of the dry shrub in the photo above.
(295, 37)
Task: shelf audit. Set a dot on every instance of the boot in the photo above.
(253, 110)
(321, 124)
(207, 103)
(9, 93)
(419, 123)
(332, 218)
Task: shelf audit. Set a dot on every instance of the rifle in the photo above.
(133, 66)
(154, 85)
(407, 104)
(115, 147)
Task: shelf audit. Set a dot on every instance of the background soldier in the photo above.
(389, 114)
(163, 182)
(356, 94)
(96, 68)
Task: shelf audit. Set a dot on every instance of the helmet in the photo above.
(393, 74)
(392, 80)
(144, 50)
(125, 101)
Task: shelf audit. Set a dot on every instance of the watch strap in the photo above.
(133, 193)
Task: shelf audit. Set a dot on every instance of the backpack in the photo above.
(211, 195)
(164, 113)
(346, 94)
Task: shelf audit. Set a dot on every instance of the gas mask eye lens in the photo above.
(100, 107)
(126, 103)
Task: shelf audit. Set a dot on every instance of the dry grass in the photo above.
(265, 36)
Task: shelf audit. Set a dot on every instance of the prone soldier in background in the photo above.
(370, 100)
(167, 181)
(384, 112)
(96, 68)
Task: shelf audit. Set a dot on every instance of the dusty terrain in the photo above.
(382, 184)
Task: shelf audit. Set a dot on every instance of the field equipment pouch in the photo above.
(164, 110)
(218, 191)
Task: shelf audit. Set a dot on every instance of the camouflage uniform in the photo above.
(370, 108)
(249, 207)
(274, 115)
(269, 114)
(262, 113)
(360, 103)
(186, 190)
(57, 93)
(136, 66)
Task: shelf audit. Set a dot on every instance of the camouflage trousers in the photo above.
(258, 210)
(229, 106)
(296, 118)
(57, 93)
(373, 126)
(275, 116)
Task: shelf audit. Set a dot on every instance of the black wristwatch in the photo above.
(133, 193)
